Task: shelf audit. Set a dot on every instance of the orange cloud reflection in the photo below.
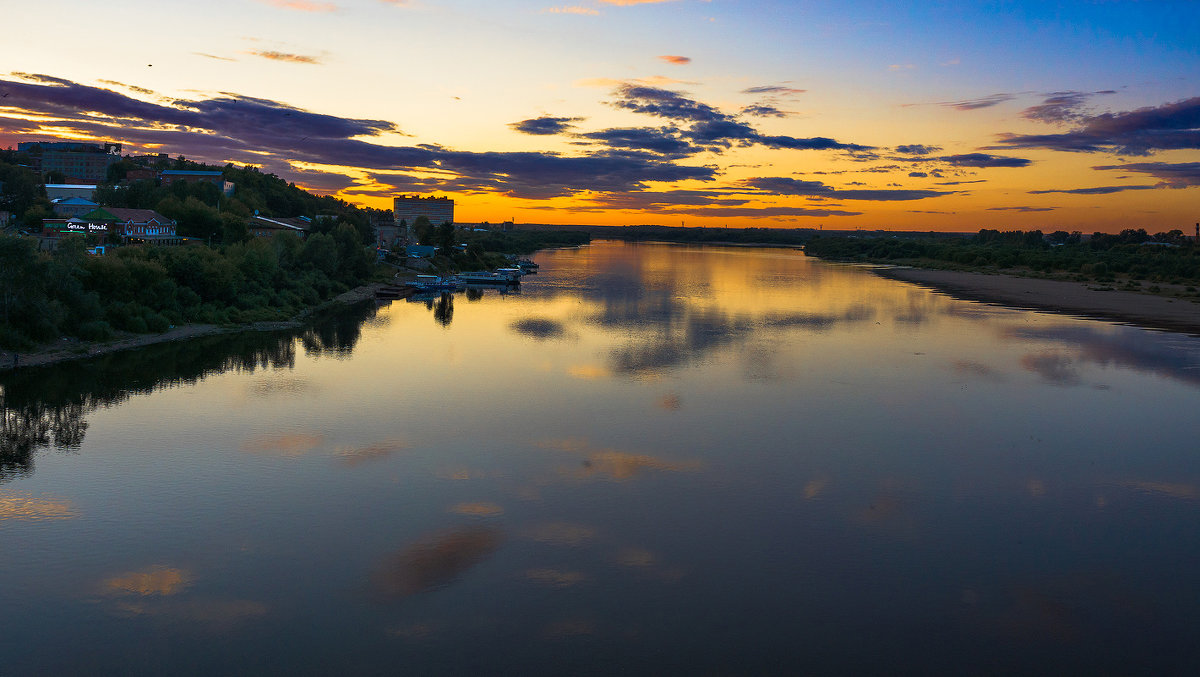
(294, 444)
(25, 507)
(157, 580)
(615, 464)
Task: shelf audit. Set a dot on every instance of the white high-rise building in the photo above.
(438, 210)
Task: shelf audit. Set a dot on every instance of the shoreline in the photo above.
(81, 350)
(1065, 297)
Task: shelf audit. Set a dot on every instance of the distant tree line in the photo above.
(1133, 253)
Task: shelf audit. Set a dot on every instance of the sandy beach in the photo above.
(72, 349)
(1071, 298)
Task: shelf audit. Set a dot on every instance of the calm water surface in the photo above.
(652, 459)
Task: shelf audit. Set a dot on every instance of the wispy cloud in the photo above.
(627, 3)
(302, 5)
(572, 10)
(675, 59)
(1021, 209)
(972, 104)
(775, 90)
(1098, 190)
(285, 56)
(213, 56)
(132, 88)
(1062, 107)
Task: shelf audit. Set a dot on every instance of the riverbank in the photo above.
(66, 350)
(1060, 296)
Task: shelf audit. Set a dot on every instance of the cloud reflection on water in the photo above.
(24, 506)
(614, 464)
(435, 561)
(1164, 354)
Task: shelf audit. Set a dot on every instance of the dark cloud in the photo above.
(1021, 209)
(917, 149)
(1061, 107)
(544, 126)
(918, 175)
(1098, 190)
(1171, 126)
(271, 133)
(814, 143)
(662, 140)
(959, 183)
(763, 110)
(709, 126)
(1172, 175)
(284, 56)
(776, 90)
(780, 185)
(675, 59)
(984, 160)
(664, 103)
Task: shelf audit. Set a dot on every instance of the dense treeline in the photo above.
(21, 190)
(642, 233)
(148, 289)
(1134, 254)
(525, 241)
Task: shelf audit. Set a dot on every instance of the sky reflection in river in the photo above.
(652, 459)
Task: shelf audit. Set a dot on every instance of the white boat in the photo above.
(485, 277)
(435, 283)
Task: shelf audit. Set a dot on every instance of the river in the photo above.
(651, 459)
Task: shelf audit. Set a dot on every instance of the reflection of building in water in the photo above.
(438, 210)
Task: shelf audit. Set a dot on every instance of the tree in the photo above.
(445, 238)
(422, 230)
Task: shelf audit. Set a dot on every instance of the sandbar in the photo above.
(1061, 296)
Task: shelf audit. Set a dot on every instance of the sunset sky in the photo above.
(843, 114)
